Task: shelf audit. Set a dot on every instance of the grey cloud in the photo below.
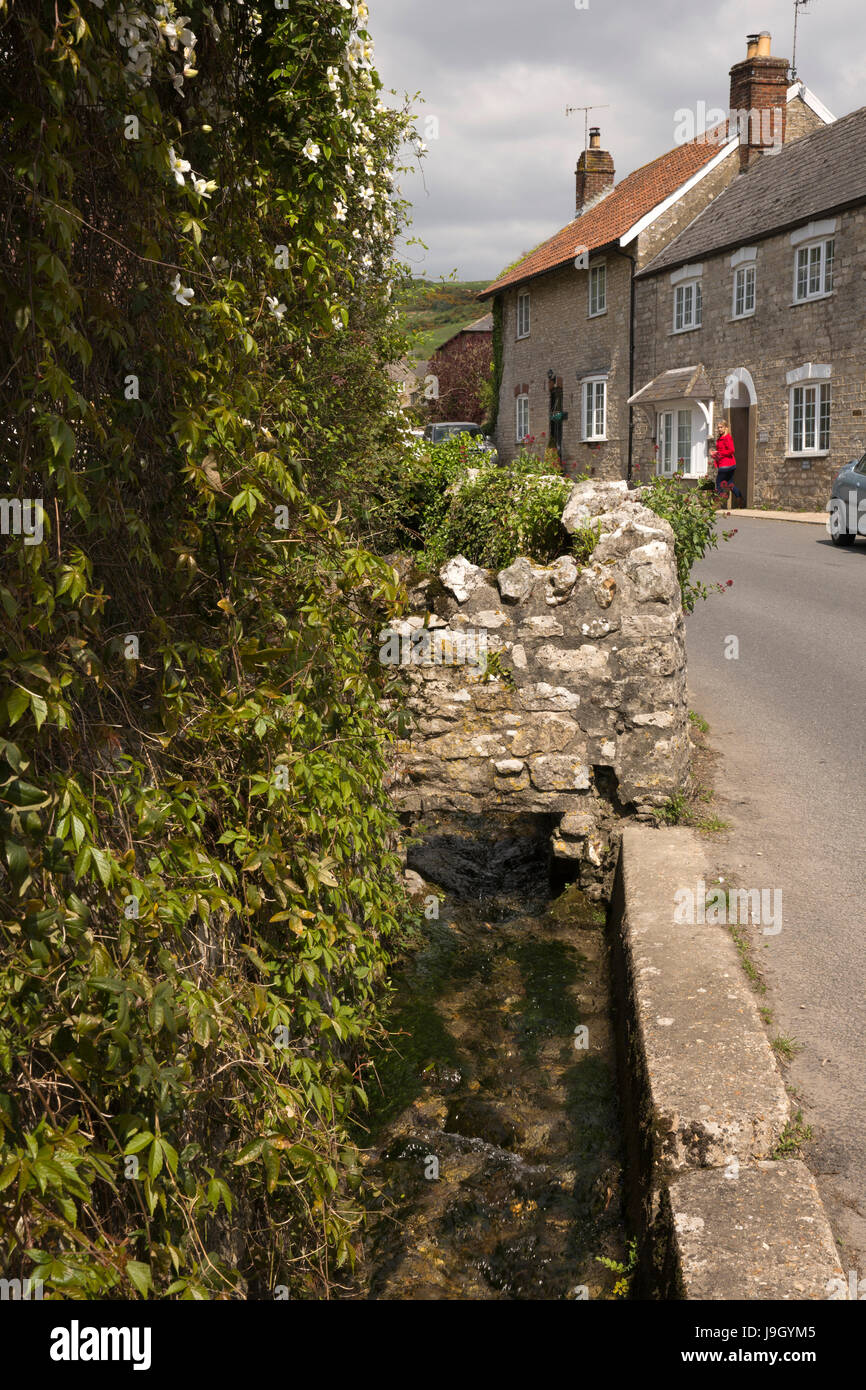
(498, 74)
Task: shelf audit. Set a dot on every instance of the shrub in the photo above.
(691, 513)
(198, 893)
(451, 501)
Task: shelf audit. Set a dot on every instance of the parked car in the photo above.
(847, 505)
(446, 429)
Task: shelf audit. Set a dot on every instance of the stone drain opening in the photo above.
(495, 1133)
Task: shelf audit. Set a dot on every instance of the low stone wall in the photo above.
(578, 706)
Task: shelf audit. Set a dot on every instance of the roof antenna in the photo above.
(587, 109)
(798, 6)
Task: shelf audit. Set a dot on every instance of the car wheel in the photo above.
(839, 533)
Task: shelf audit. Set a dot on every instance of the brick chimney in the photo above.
(593, 175)
(759, 87)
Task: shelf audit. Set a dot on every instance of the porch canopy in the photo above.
(677, 384)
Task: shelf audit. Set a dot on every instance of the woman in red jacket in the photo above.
(725, 460)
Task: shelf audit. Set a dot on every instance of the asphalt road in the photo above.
(789, 718)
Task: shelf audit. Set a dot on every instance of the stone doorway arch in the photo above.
(741, 409)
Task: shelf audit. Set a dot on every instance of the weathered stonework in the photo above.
(582, 707)
(779, 337)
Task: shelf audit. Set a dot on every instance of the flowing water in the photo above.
(494, 1131)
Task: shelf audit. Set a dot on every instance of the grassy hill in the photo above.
(434, 310)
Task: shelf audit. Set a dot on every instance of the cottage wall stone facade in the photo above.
(779, 338)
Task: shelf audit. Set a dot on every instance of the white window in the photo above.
(744, 291)
(681, 437)
(594, 409)
(523, 314)
(522, 418)
(809, 416)
(813, 273)
(687, 306)
(598, 290)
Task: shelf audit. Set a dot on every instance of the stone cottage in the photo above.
(565, 311)
(778, 270)
(457, 370)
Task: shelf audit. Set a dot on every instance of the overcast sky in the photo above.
(498, 75)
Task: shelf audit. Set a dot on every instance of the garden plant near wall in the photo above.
(197, 888)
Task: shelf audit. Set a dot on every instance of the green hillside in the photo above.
(434, 310)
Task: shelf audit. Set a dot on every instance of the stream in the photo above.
(494, 1145)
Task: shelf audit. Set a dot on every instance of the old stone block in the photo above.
(556, 772)
(515, 582)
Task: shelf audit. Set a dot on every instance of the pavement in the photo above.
(711, 1108)
(787, 713)
(812, 518)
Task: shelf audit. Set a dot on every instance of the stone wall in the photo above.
(580, 709)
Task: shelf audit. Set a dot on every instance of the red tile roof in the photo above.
(612, 216)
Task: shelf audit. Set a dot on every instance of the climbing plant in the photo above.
(197, 892)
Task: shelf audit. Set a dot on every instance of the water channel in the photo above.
(494, 1145)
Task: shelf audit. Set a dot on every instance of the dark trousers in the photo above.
(725, 481)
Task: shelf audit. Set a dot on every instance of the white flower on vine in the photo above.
(178, 166)
(357, 234)
(350, 173)
(203, 187)
(277, 308)
(367, 195)
(337, 320)
(420, 147)
(340, 211)
(369, 164)
(312, 151)
(333, 75)
(182, 293)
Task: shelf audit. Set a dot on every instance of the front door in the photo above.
(556, 418)
(741, 420)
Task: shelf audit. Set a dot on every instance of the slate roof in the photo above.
(809, 178)
(482, 325)
(613, 215)
(679, 383)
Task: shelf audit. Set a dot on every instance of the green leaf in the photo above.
(138, 1142)
(140, 1276)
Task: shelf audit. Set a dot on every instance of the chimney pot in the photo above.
(594, 138)
(765, 39)
(752, 45)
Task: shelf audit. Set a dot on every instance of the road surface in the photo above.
(789, 718)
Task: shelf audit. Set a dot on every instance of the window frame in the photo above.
(826, 264)
(820, 389)
(695, 287)
(742, 275)
(524, 298)
(521, 401)
(587, 385)
(596, 271)
(698, 439)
